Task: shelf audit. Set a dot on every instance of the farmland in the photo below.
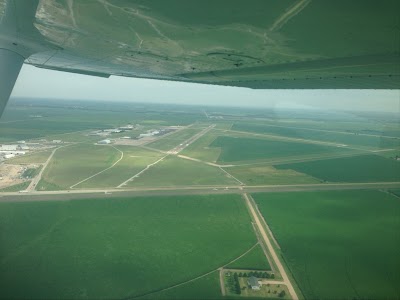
(34, 158)
(341, 137)
(96, 226)
(254, 260)
(75, 162)
(133, 161)
(104, 249)
(249, 149)
(333, 241)
(261, 174)
(366, 168)
(173, 171)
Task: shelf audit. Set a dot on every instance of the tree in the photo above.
(282, 294)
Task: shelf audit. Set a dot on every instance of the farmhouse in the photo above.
(253, 282)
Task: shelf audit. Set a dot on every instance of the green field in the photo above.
(39, 157)
(348, 138)
(74, 163)
(254, 260)
(171, 141)
(16, 187)
(207, 287)
(261, 175)
(117, 248)
(175, 171)
(200, 149)
(338, 244)
(235, 149)
(365, 168)
(135, 159)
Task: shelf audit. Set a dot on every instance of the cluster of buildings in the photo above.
(11, 150)
(107, 132)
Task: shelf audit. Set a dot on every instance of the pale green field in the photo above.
(174, 171)
(135, 159)
(31, 158)
(258, 175)
(74, 163)
(200, 148)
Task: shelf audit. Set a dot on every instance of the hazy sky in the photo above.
(39, 83)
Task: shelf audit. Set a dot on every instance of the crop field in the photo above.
(365, 168)
(173, 140)
(31, 158)
(118, 248)
(73, 163)
(174, 171)
(254, 260)
(241, 149)
(207, 287)
(134, 160)
(260, 175)
(313, 134)
(338, 244)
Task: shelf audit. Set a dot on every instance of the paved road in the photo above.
(188, 190)
(271, 249)
(36, 180)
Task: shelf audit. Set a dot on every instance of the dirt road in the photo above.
(271, 249)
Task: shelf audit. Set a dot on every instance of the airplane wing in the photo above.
(260, 44)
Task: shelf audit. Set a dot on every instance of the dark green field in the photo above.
(366, 168)
(117, 248)
(338, 244)
(254, 260)
(242, 149)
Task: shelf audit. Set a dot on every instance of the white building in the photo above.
(254, 283)
(8, 147)
(104, 142)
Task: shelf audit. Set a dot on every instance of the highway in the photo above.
(186, 190)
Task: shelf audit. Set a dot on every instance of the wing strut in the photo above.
(10, 65)
(14, 46)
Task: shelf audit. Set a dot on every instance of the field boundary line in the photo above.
(122, 156)
(193, 279)
(231, 176)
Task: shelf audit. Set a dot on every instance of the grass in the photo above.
(74, 163)
(260, 175)
(365, 168)
(30, 172)
(117, 248)
(249, 149)
(338, 244)
(200, 149)
(254, 260)
(174, 171)
(171, 141)
(135, 159)
(16, 187)
(39, 157)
